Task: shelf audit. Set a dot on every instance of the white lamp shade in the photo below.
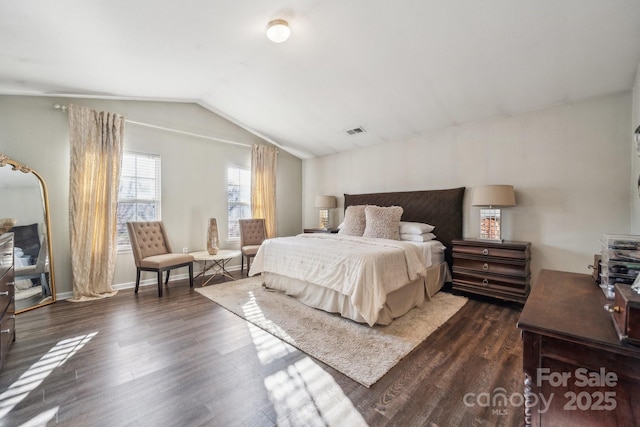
(325, 202)
(494, 195)
(278, 31)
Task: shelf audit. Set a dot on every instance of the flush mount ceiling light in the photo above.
(278, 30)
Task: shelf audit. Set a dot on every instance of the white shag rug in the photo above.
(360, 352)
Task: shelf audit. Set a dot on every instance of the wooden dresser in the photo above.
(495, 269)
(572, 357)
(7, 302)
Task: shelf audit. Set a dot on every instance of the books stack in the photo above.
(620, 261)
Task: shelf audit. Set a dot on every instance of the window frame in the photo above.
(246, 204)
(156, 201)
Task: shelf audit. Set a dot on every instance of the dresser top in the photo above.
(571, 306)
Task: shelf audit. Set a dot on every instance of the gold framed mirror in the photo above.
(24, 197)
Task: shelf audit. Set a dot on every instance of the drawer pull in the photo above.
(4, 293)
(485, 266)
(5, 331)
(485, 251)
(485, 282)
(11, 283)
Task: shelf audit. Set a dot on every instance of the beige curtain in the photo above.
(263, 186)
(96, 157)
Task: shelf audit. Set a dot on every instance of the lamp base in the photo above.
(324, 218)
(490, 224)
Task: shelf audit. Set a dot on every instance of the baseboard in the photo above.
(146, 282)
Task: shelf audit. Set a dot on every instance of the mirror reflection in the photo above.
(23, 196)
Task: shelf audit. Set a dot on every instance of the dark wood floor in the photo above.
(182, 360)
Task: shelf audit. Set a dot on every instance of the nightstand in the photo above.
(495, 269)
(321, 230)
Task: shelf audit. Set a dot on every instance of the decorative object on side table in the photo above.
(491, 198)
(213, 241)
(495, 269)
(325, 203)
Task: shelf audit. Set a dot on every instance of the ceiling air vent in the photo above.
(355, 131)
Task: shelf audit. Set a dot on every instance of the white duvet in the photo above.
(364, 269)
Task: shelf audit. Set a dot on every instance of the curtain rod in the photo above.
(64, 109)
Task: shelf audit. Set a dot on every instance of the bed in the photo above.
(368, 280)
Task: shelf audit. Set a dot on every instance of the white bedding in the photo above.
(432, 252)
(366, 270)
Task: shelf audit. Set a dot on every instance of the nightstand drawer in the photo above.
(505, 283)
(516, 268)
(492, 252)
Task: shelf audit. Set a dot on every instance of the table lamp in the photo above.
(325, 203)
(491, 198)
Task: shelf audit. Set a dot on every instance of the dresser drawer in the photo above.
(6, 253)
(7, 283)
(7, 331)
(519, 268)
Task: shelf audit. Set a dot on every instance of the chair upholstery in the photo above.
(252, 234)
(152, 252)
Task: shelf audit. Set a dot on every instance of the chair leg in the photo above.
(137, 279)
(248, 265)
(167, 279)
(159, 283)
(242, 264)
(191, 275)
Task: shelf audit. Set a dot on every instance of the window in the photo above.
(139, 193)
(239, 198)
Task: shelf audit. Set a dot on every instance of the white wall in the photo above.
(569, 165)
(23, 203)
(634, 186)
(193, 169)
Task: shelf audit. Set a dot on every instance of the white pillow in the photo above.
(425, 237)
(354, 221)
(415, 227)
(382, 222)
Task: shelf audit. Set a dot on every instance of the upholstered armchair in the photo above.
(152, 252)
(252, 234)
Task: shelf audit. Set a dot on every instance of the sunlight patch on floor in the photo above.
(42, 419)
(303, 393)
(40, 370)
(269, 348)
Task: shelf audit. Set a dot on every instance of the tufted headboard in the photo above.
(442, 208)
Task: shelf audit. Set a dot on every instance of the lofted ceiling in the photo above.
(395, 68)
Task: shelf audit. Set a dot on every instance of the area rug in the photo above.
(360, 352)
